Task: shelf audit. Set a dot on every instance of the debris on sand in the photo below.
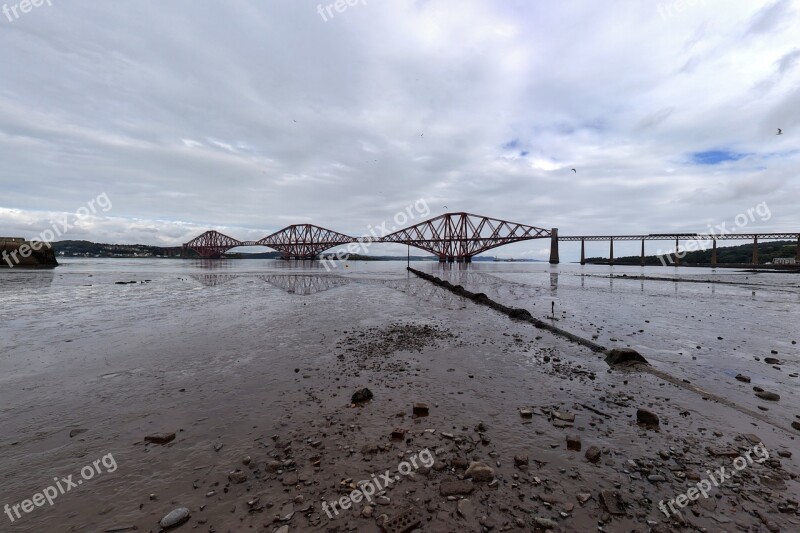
(625, 356)
(361, 396)
(160, 438)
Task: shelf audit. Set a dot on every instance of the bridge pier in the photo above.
(677, 256)
(554, 246)
(611, 253)
(755, 250)
(714, 252)
(641, 257)
(797, 250)
(583, 251)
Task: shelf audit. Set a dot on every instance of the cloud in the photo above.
(250, 116)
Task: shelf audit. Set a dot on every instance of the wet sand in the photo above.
(246, 364)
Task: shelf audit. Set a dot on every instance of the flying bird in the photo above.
(780, 132)
(445, 207)
(575, 171)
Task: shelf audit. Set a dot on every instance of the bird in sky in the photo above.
(575, 171)
(780, 132)
(445, 207)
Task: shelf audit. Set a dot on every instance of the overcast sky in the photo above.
(247, 116)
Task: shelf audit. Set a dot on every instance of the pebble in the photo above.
(175, 518)
(160, 438)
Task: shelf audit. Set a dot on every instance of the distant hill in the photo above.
(93, 249)
(741, 254)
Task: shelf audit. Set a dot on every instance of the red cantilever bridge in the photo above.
(451, 237)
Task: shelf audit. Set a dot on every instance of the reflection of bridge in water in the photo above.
(302, 284)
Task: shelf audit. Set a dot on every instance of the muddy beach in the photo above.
(254, 370)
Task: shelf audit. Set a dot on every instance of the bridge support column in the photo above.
(554, 246)
(611, 253)
(677, 253)
(797, 250)
(641, 258)
(713, 252)
(583, 251)
(468, 259)
(442, 258)
(755, 250)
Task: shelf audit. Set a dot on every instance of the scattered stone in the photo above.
(420, 409)
(526, 413)
(160, 438)
(76, 432)
(566, 417)
(647, 418)
(456, 488)
(545, 523)
(796, 425)
(175, 518)
(583, 497)
(282, 529)
(237, 476)
(361, 396)
(769, 396)
(719, 451)
(398, 434)
(593, 454)
(625, 356)
(466, 509)
(772, 361)
(521, 460)
(573, 443)
(479, 472)
(743, 378)
(612, 501)
(290, 479)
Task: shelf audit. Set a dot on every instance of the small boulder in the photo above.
(647, 418)
(361, 396)
(160, 438)
(479, 472)
(175, 518)
(743, 378)
(769, 396)
(593, 454)
(624, 356)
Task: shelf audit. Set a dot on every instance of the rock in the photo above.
(545, 523)
(769, 396)
(420, 409)
(273, 466)
(656, 478)
(593, 454)
(479, 472)
(466, 509)
(743, 378)
(237, 476)
(624, 356)
(751, 438)
(286, 512)
(361, 396)
(796, 425)
(521, 460)
(175, 518)
(526, 413)
(772, 361)
(583, 497)
(648, 418)
(456, 488)
(160, 438)
(290, 479)
(398, 434)
(367, 511)
(719, 451)
(282, 529)
(612, 502)
(76, 432)
(573, 443)
(566, 417)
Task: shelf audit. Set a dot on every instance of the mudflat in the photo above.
(254, 373)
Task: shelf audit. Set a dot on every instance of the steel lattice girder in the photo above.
(464, 235)
(212, 244)
(304, 240)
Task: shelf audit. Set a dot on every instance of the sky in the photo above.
(247, 116)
